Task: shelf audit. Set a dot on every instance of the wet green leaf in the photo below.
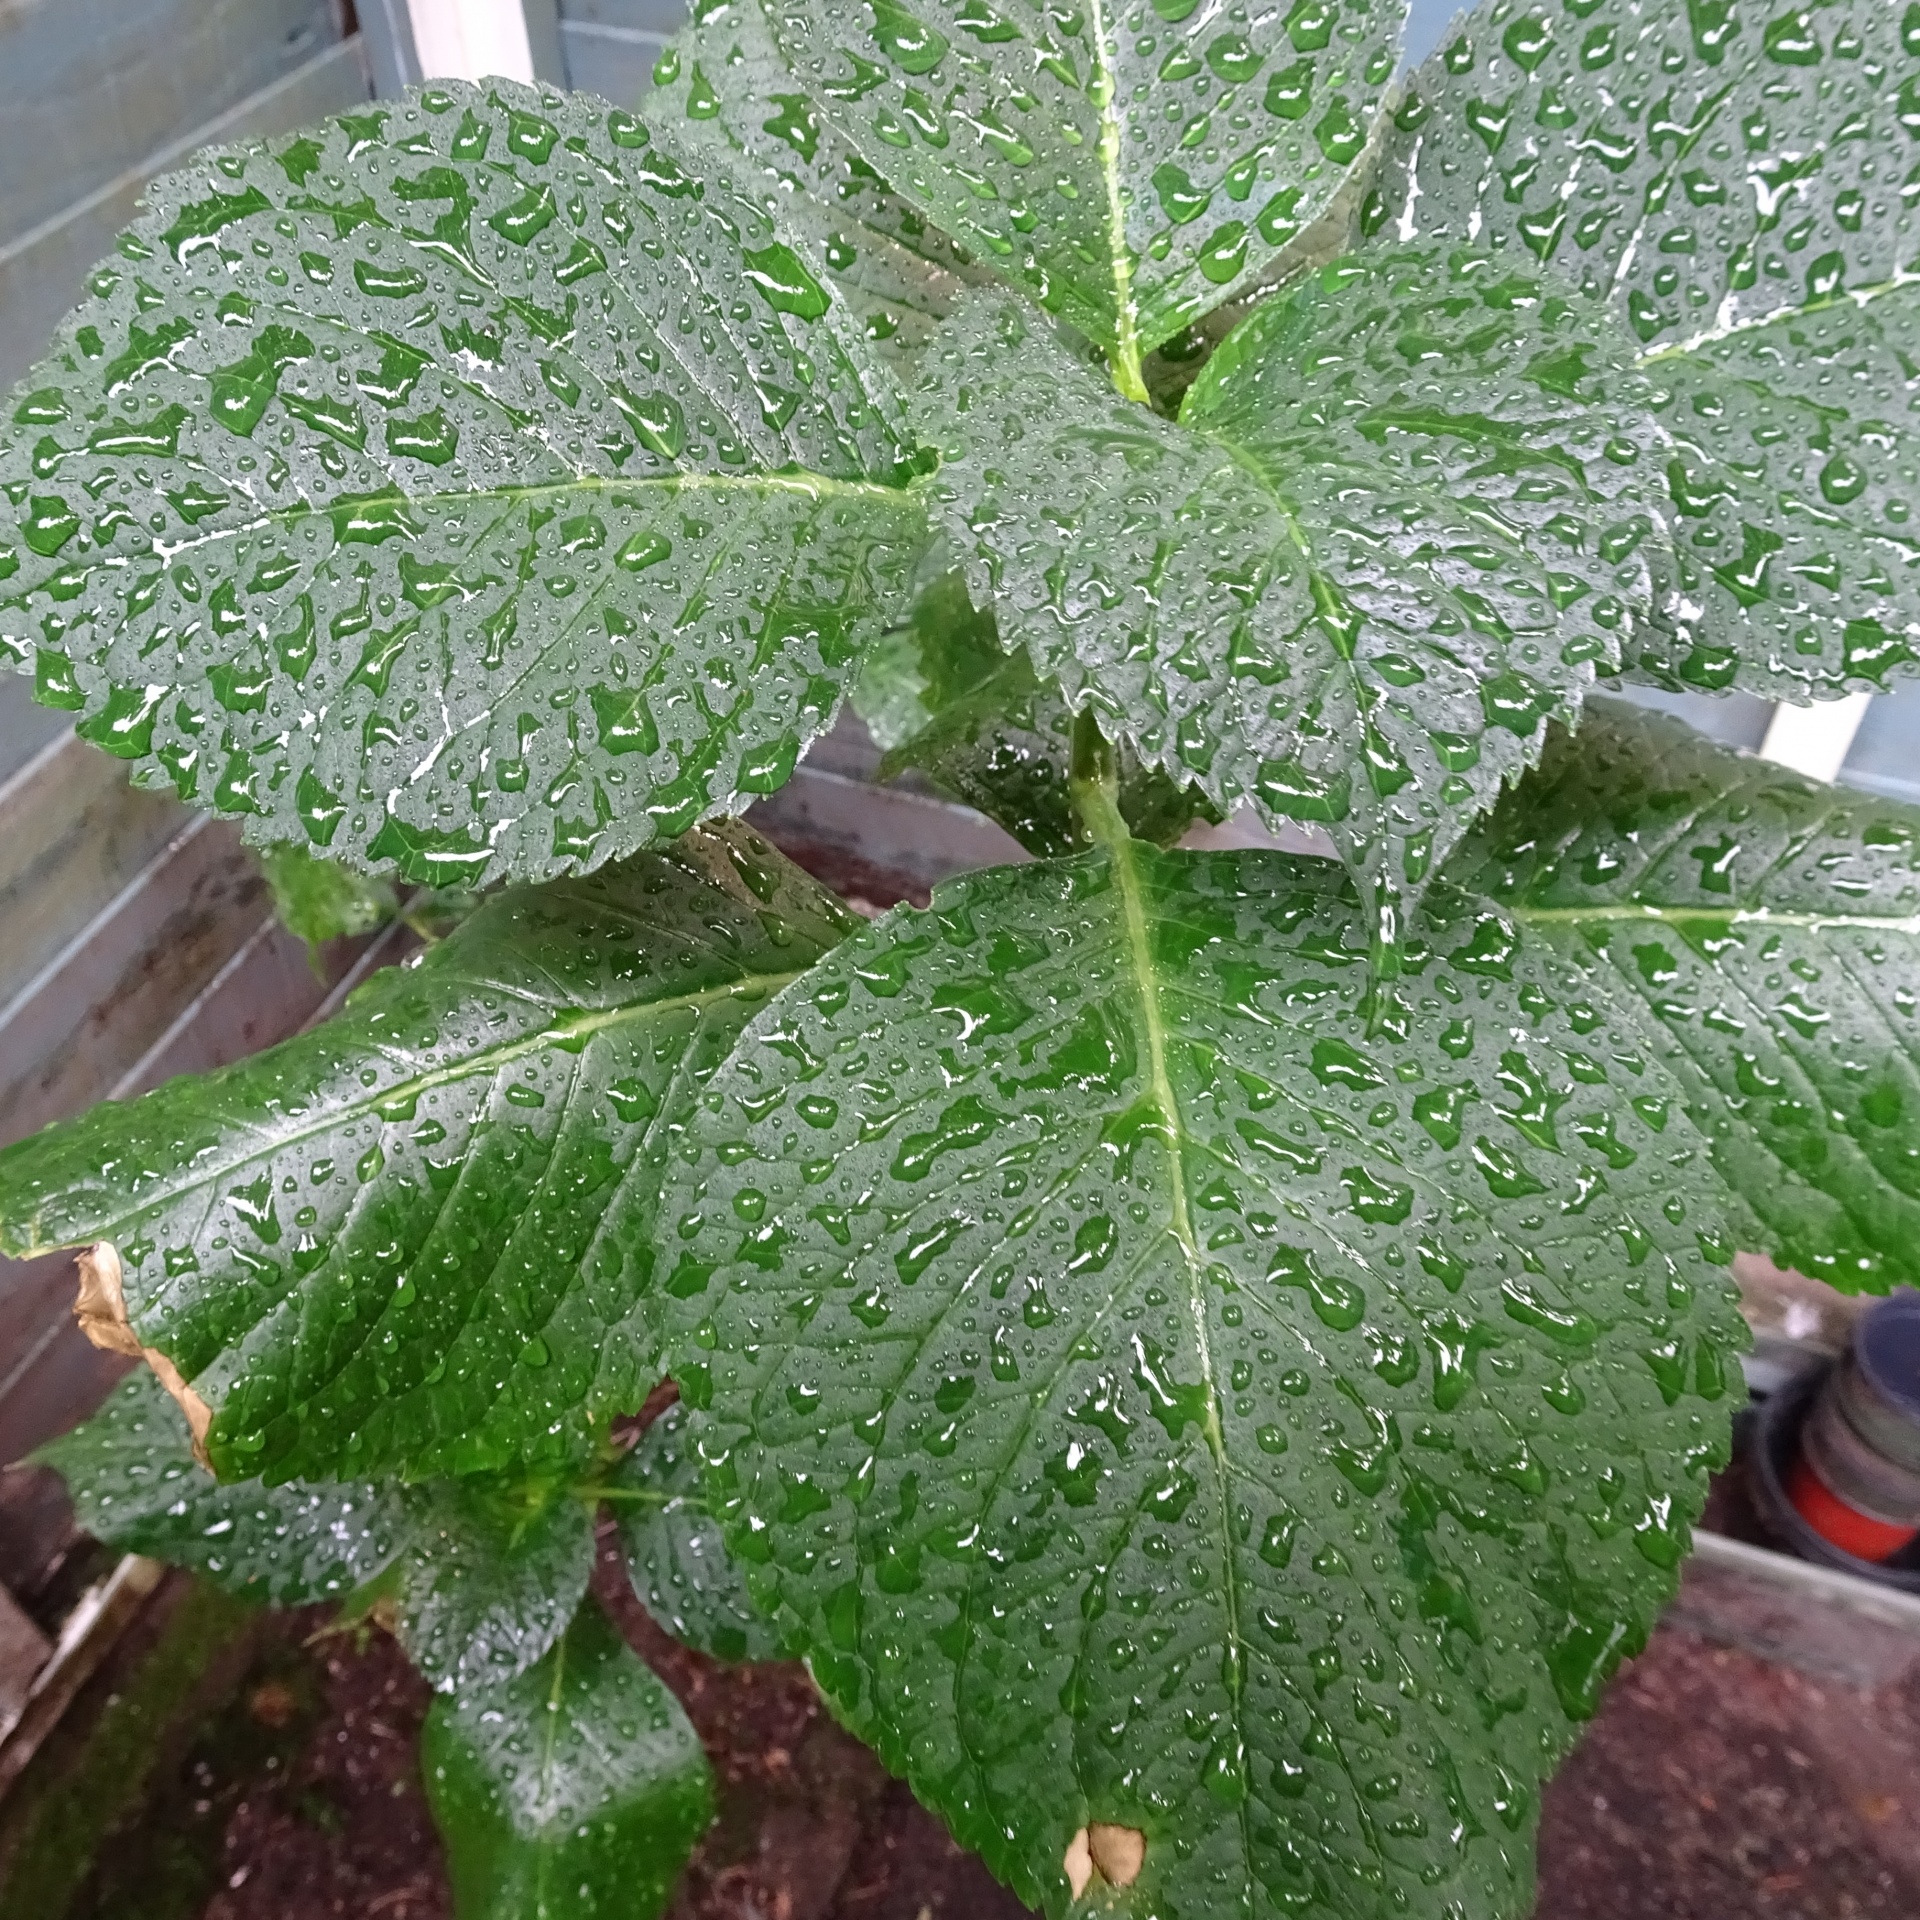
(464, 490)
(481, 1575)
(575, 1792)
(1769, 929)
(1134, 167)
(1402, 519)
(420, 1238)
(734, 96)
(982, 725)
(1732, 179)
(1152, 1401)
(135, 1484)
(489, 1574)
(676, 1555)
(319, 899)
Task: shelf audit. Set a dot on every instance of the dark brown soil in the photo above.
(1717, 1786)
(1713, 1786)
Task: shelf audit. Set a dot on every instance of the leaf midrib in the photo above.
(569, 1036)
(1127, 373)
(809, 485)
(1856, 297)
(1122, 851)
(1635, 913)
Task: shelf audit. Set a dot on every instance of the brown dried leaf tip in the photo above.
(1116, 1854)
(100, 1306)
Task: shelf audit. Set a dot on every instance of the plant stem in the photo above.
(1124, 362)
(1093, 784)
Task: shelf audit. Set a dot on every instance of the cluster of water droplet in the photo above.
(739, 102)
(1740, 185)
(1404, 518)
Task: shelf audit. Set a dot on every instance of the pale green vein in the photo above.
(567, 1035)
(1095, 793)
(1641, 915)
(1127, 375)
(1857, 297)
(811, 486)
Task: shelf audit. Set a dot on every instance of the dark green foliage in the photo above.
(573, 1792)
(1770, 929)
(465, 490)
(1730, 177)
(1156, 1401)
(481, 1574)
(673, 1545)
(136, 1484)
(418, 1238)
(944, 699)
(1132, 169)
(725, 79)
(1402, 520)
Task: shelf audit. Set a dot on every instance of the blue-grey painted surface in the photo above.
(1426, 22)
(610, 45)
(92, 87)
(1886, 751)
(386, 31)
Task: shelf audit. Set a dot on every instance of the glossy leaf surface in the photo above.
(1769, 929)
(1737, 180)
(575, 1792)
(1152, 1402)
(491, 1571)
(135, 1484)
(478, 1577)
(676, 1556)
(1133, 164)
(419, 1238)
(462, 488)
(981, 724)
(727, 81)
(1401, 519)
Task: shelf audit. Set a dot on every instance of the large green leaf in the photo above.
(1156, 1405)
(1134, 166)
(481, 1575)
(676, 1556)
(1770, 929)
(419, 1238)
(725, 78)
(462, 487)
(575, 1792)
(1401, 520)
(1737, 179)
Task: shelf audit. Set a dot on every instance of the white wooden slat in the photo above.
(1815, 740)
(471, 39)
